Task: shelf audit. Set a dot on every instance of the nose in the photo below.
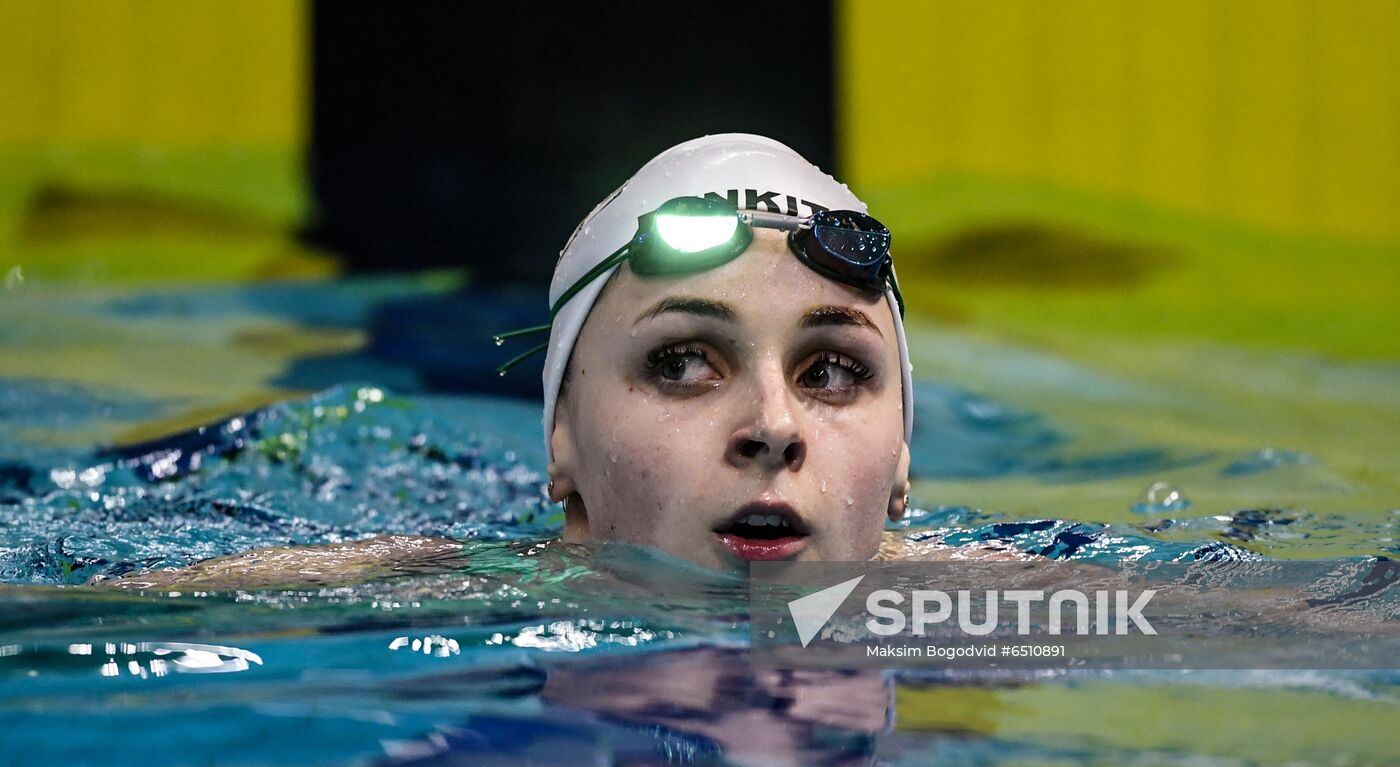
(773, 437)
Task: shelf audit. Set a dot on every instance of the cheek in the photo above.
(861, 446)
(862, 476)
(857, 462)
(638, 468)
(661, 461)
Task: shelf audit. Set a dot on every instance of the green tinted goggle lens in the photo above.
(687, 234)
(690, 228)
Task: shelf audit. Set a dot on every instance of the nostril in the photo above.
(794, 454)
(752, 448)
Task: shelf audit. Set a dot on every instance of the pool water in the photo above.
(149, 428)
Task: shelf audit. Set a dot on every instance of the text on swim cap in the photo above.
(769, 200)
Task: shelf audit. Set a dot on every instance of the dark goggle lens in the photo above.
(849, 247)
(855, 238)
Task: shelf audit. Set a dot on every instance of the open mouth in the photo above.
(763, 531)
(763, 527)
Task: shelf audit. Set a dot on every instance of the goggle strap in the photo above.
(604, 265)
(898, 297)
(499, 337)
(521, 358)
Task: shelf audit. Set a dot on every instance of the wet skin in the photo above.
(758, 381)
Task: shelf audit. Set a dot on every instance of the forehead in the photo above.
(765, 283)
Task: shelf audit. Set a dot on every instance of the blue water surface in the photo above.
(522, 650)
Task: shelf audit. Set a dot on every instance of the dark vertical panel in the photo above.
(480, 133)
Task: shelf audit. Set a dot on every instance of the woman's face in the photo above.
(702, 404)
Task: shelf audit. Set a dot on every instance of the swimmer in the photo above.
(726, 376)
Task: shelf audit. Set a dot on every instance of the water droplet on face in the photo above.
(823, 487)
(850, 501)
(663, 416)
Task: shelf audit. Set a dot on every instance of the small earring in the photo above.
(897, 511)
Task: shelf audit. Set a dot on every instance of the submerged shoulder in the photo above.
(299, 566)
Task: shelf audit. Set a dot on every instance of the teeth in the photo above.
(760, 520)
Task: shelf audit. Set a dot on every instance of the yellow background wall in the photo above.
(1283, 114)
(160, 72)
(1117, 173)
(154, 139)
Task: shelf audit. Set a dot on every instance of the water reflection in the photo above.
(754, 715)
(699, 707)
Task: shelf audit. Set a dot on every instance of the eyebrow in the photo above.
(837, 315)
(687, 305)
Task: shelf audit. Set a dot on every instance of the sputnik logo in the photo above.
(810, 613)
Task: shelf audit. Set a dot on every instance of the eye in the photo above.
(833, 373)
(680, 365)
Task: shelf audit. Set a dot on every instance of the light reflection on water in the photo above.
(143, 659)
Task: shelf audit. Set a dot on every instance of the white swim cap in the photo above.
(754, 172)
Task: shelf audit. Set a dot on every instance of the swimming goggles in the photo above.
(695, 234)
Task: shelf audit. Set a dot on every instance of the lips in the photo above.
(764, 530)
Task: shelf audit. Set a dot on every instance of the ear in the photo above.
(899, 494)
(562, 485)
